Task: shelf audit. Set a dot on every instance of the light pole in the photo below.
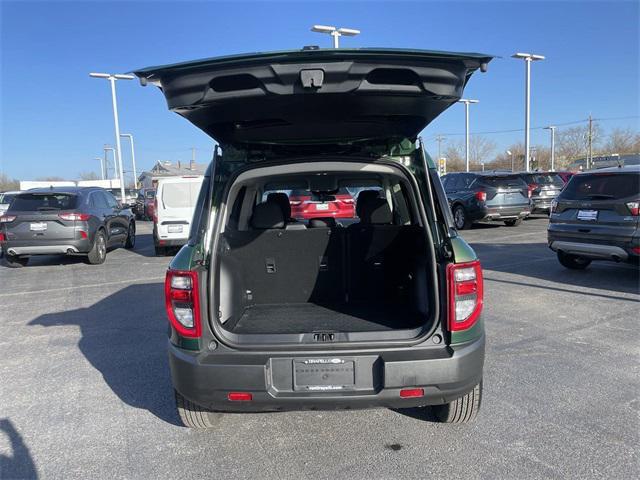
(552, 129)
(528, 58)
(510, 153)
(106, 162)
(133, 158)
(112, 80)
(336, 33)
(466, 102)
(101, 167)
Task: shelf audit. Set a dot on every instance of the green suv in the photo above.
(269, 312)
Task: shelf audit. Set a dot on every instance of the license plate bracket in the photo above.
(322, 206)
(38, 226)
(588, 215)
(323, 374)
(174, 229)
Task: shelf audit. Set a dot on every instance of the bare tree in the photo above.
(7, 184)
(50, 179)
(480, 151)
(88, 176)
(572, 143)
(622, 141)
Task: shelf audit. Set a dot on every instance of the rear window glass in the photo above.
(602, 186)
(50, 201)
(180, 195)
(503, 181)
(546, 179)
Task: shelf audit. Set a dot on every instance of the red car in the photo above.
(305, 204)
(565, 176)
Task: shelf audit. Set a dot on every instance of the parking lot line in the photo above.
(75, 287)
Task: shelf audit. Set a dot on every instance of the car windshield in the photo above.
(503, 181)
(597, 186)
(32, 202)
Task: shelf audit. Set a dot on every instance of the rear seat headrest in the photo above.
(282, 200)
(267, 215)
(362, 198)
(375, 211)
(322, 222)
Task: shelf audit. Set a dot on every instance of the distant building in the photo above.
(603, 161)
(149, 178)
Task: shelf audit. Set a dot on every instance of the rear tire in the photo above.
(98, 253)
(573, 262)
(460, 218)
(160, 251)
(13, 261)
(195, 416)
(513, 223)
(462, 410)
(131, 237)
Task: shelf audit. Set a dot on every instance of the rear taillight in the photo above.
(7, 218)
(182, 302)
(70, 217)
(465, 294)
(2, 238)
(635, 250)
(634, 208)
(481, 196)
(347, 200)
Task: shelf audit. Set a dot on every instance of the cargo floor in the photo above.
(309, 317)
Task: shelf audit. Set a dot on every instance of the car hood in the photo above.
(315, 96)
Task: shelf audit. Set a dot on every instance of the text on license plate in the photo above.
(175, 229)
(322, 206)
(588, 215)
(38, 226)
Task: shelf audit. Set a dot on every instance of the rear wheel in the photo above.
(131, 236)
(461, 410)
(460, 218)
(573, 261)
(195, 416)
(160, 251)
(98, 252)
(513, 223)
(13, 261)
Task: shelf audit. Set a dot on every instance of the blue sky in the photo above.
(55, 119)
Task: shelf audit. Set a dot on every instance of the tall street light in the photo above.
(336, 33)
(528, 58)
(112, 80)
(552, 129)
(466, 102)
(133, 158)
(107, 148)
(101, 166)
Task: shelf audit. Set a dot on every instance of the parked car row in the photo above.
(499, 196)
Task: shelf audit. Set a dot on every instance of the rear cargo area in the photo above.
(360, 278)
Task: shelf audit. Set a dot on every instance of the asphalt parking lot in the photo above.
(85, 389)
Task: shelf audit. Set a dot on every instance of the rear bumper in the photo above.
(62, 247)
(445, 374)
(542, 204)
(590, 250)
(503, 213)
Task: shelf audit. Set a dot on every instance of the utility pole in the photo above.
(193, 159)
(133, 159)
(106, 160)
(101, 166)
(590, 143)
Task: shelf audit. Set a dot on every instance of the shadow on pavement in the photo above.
(19, 464)
(124, 336)
(536, 261)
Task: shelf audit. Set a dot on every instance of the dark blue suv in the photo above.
(476, 196)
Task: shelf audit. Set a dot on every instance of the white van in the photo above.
(174, 206)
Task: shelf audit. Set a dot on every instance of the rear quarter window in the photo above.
(36, 202)
(602, 185)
